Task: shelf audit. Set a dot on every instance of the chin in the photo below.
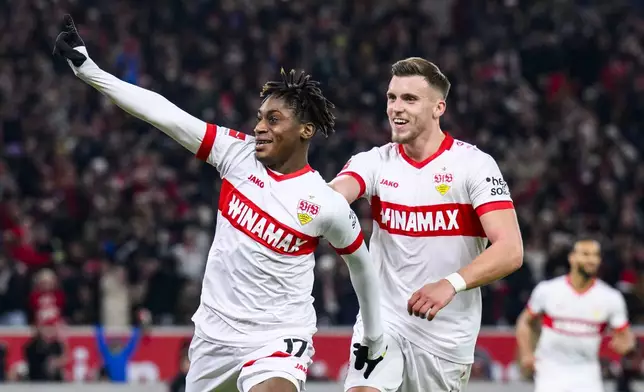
(402, 137)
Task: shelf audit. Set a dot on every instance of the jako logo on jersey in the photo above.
(573, 327)
(256, 181)
(451, 219)
(307, 211)
(248, 218)
(299, 366)
(392, 184)
(499, 186)
(443, 182)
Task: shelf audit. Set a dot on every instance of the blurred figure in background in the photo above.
(13, 293)
(46, 300)
(45, 354)
(115, 355)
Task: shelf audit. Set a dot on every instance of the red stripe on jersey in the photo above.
(572, 326)
(440, 220)
(357, 177)
(351, 248)
(276, 354)
(248, 218)
(207, 142)
(494, 206)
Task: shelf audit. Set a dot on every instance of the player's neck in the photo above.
(580, 283)
(425, 145)
(291, 165)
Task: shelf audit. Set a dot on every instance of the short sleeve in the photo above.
(223, 147)
(363, 167)
(487, 189)
(537, 302)
(618, 318)
(342, 227)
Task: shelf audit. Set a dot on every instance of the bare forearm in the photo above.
(527, 337)
(496, 262)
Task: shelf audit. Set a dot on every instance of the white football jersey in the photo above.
(572, 322)
(426, 226)
(259, 275)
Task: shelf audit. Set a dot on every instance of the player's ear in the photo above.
(307, 131)
(439, 109)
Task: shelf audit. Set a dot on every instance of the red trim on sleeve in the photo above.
(623, 327)
(357, 177)
(494, 206)
(207, 143)
(351, 248)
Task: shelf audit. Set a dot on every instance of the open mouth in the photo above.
(262, 142)
(400, 121)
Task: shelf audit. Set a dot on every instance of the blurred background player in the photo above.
(574, 311)
(435, 202)
(254, 327)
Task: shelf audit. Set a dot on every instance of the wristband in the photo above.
(457, 281)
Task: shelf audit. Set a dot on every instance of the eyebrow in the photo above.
(403, 95)
(269, 112)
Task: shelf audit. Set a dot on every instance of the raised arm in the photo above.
(192, 133)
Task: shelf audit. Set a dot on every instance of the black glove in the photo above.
(362, 358)
(67, 40)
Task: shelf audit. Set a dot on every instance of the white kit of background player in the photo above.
(256, 318)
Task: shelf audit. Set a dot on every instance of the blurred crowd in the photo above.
(102, 215)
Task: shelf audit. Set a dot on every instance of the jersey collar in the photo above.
(580, 292)
(446, 144)
(283, 177)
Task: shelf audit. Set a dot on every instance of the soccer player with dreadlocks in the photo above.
(254, 326)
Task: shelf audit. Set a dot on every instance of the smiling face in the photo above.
(279, 133)
(412, 105)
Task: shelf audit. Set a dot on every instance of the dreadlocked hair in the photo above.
(305, 97)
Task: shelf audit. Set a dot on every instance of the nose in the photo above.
(260, 128)
(396, 105)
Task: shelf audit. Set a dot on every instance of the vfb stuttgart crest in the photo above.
(307, 211)
(443, 182)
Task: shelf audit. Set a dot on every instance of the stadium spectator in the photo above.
(45, 355)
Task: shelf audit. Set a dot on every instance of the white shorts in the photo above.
(557, 378)
(215, 367)
(408, 368)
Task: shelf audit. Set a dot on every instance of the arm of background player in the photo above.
(357, 177)
(623, 339)
(490, 197)
(528, 328)
(345, 235)
(527, 332)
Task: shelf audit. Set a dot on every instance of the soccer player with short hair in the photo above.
(254, 326)
(435, 202)
(574, 312)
